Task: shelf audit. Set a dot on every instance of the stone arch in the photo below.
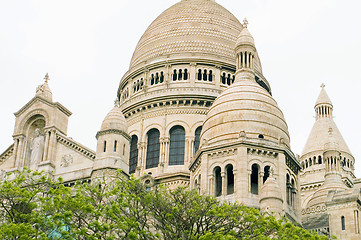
(175, 123)
(31, 115)
(151, 126)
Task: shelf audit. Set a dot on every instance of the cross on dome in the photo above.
(245, 23)
(46, 77)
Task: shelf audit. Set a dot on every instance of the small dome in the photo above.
(245, 38)
(245, 106)
(114, 120)
(271, 189)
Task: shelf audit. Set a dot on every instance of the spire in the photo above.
(44, 89)
(323, 105)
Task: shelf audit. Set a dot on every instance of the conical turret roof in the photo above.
(323, 97)
(319, 135)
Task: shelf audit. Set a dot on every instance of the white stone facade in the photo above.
(195, 110)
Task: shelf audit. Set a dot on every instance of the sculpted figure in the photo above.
(37, 149)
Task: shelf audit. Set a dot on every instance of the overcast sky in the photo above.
(86, 47)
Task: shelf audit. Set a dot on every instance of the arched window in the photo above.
(176, 145)
(293, 192)
(230, 179)
(288, 189)
(153, 147)
(115, 145)
(180, 74)
(223, 78)
(254, 179)
(174, 74)
(319, 160)
(343, 224)
(205, 75)
(217, 181)
(105, 146)
(185, 74)
(199, 75)
(266, 173)
(133, 156)
(161, 77)
(229, 79)
(197, 136)
(156, 78)
(210, 77)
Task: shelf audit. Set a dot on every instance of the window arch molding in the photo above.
(146, 130)
(178, 123)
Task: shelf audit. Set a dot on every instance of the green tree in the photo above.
(34, 206)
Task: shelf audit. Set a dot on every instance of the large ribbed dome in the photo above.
(193, 28)
(245, 106)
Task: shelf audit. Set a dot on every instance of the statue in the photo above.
(37, 149)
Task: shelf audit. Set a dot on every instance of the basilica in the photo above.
(196, 110)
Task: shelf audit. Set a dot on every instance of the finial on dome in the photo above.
(46, 78)
(245, 23)
(323, 85)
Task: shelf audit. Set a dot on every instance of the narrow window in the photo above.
(205, 75)
(105, 146)
(293, 192)
(210, 77)
(197, 135)
(176, 145)
(229, 79)
(138, 85)
(233, 78)
(343, 225)
(123, 149)
(254, 179)
(288, 189)
(218, 181)
(174, 74)
(161, 77)
(223, 78)
(153, 146)
(180, 74)
(141, 83)
(230, 179)
(199, 75)
(133, 156)
(185, 74)
(115, 145)
(266, 173)
(156, 78)
(319, 160)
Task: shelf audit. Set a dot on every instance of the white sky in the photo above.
(86, 46)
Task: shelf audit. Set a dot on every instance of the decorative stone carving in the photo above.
(66, 160)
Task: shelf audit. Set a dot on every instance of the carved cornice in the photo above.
(222, 153)
(263, 152)
(7, 153)
(75, 146)
(116, 131)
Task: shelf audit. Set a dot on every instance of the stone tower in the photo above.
(113, 144)
(245, 136)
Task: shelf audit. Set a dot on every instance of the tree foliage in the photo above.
(33, 206)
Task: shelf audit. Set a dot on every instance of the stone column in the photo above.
(141, 149)
(224, 183)
(210, 185)
(46, 146)
(187, 150)
(192, 73)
